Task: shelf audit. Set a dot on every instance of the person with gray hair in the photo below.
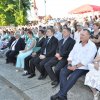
(15, 47)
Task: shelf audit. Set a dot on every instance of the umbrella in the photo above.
(85, 9)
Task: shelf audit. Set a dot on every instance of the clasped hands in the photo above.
(42, 56)
(72, 68)
(58, 56)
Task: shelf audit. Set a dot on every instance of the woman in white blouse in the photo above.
(93, 76)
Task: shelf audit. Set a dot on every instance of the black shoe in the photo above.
(32, 75)
(26, 74)
(54, 97)
(55, 84)
(7, 62)
(14, 64)
(41, 77)
(57, 97)
(62, 98)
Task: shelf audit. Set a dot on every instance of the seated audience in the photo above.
(81, 55)
(39, 43)
(59, 61)
(26, 52)
(48, 51)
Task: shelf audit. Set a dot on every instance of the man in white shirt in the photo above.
(81, 55)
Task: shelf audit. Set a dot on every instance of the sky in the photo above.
(60, 8)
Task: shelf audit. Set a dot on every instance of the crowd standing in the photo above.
(63, 52)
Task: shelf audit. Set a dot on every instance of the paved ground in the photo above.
(13, 86)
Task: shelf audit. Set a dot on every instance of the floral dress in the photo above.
(93, 76)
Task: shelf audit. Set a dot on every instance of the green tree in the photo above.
(13, 12)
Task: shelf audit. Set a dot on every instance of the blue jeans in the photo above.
(68, 78)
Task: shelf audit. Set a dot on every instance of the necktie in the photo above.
(47, 41)
(62, 42)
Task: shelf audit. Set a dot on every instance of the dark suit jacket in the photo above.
(40, 44)
(11, 41)
(64, 49)
(51, 47)
(11, 54)
(20, 45)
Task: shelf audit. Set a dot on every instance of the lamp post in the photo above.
(45, 8)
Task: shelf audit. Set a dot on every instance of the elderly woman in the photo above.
(24, 53)
(93, 76)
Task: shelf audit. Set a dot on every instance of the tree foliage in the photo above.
(13, 12)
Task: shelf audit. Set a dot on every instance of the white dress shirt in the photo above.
(47, 43)
(13, 44)
(83, 54)
(65, 39)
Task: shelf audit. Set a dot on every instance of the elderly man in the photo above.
(15, 47)
(81, 55)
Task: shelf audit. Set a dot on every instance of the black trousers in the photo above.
(54, 74)
(11, 56)
(39, 64)
(27, 63)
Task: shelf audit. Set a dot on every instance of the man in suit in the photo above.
(15, 47)
(47, 52)
(39, 43)
(60, 60)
